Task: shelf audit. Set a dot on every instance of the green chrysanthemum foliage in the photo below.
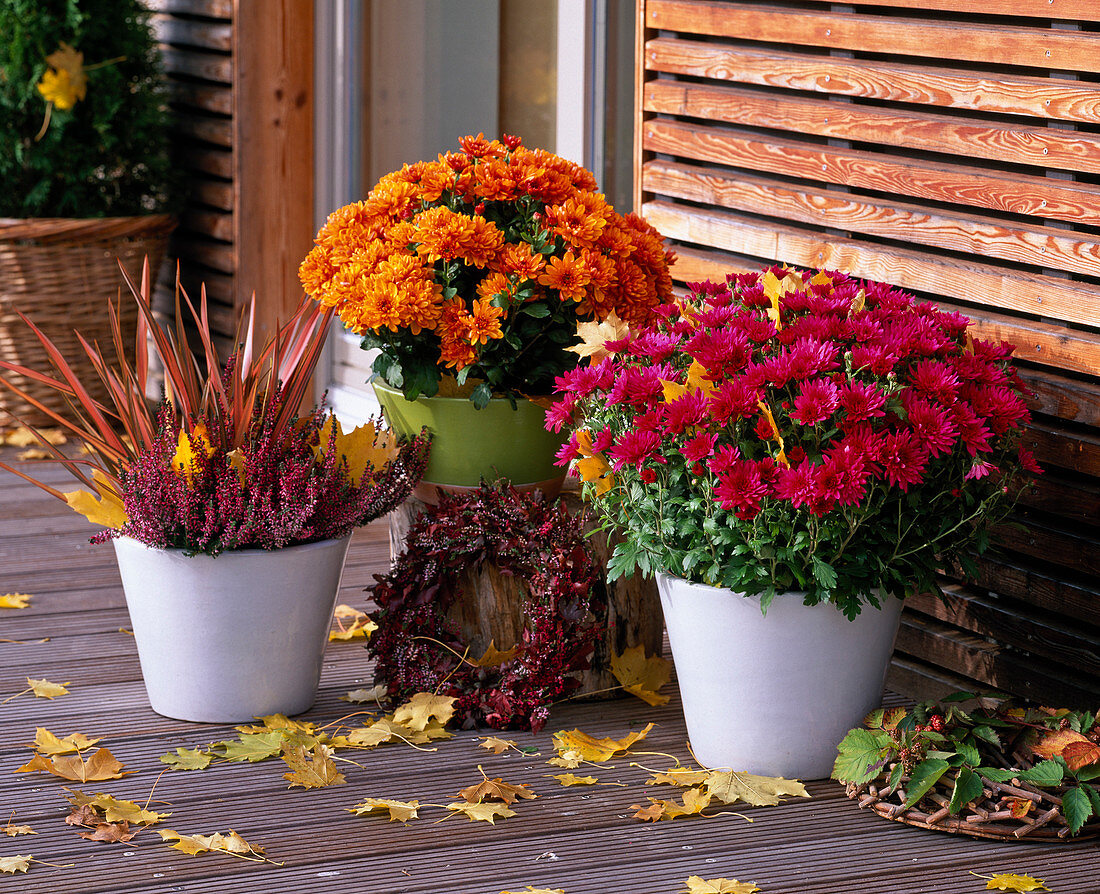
(105, 154)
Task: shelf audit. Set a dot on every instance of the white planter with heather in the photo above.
(233, 637)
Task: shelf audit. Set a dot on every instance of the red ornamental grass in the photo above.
(792, 431)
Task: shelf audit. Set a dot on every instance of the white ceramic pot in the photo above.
(773, 694)
(234, 637)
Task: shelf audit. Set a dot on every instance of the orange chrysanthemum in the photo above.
(578, 222)
(446, 235)
(520, 261)
(485, 322)
(568, 275)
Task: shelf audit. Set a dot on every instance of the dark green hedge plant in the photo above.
(83, 113)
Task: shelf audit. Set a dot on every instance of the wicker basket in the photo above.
(60, 272)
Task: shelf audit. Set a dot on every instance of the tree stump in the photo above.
(488, 607)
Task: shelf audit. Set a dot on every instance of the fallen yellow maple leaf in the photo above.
(15, 600)
(486, 812)
(399, 811)
(592, 749)
(104, 507)
(495, 790)
(46, 689)
(311, 769)
(189, 445)
(642, 676)
(187, 759)
(366, 448)
(759, 791)
(497, 746)
(493, 657)
(531, 890)
(362, 696)
(683, 777)
(50, 745)
(571, 779)
(1012, 882)
(12, 830)
(594, 337)
(698, 885)
(24, 437)
(361, 628)
(68, 83)
(102, 765)
(695, 801)
(418, 712)
(18, 863)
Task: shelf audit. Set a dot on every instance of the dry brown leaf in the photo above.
(653, 812)
(698, 885)
(588, 748)
(642, 676)
(399, 811)
(493, 657)
(568, 760)
(418, 712)
(12, 830)
(84, 815)
(1081, 754)
(311, 769)
(100, 766)
(33, 453)
(48, 744)
(46, 689)
(497, 746)
(495, 790)
(568, 779)
(15, 600)
(483, 812)
(694, 802)
(23, 437)
(110, 833)
(1020, 807)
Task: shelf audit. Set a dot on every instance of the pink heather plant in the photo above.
(798, 432)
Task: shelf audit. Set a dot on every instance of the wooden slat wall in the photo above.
(951, 147)
(241, 87)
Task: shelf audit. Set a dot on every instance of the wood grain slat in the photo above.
(887, 81)
(205, 159)
(952, 183)
(1048, 343)
(1010, 143)
(212, 192)
(213, 224)
(217, 255)
(969, 41)
(213, 99)
(222, 9)
(205, 128)
(1075, 451)
(195, 64)
(205, 35)
(1031, 244)
(924, 272)
(1069, 399)
(1083, 10)
(1041, 586)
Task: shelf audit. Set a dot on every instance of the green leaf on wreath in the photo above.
(861, 756)
(967, 788)
(925, 775)
(1076, 808)
(1044, 773)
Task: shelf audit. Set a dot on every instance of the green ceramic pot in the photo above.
(470, 444)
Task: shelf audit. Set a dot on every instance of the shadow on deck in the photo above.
(579, 839)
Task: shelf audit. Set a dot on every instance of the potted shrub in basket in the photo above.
(230, 509)
(470, 275)
(85, 172)
(809, 447)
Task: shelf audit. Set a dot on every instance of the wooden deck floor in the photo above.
(581, 840)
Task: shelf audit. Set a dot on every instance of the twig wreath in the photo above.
(418, 648)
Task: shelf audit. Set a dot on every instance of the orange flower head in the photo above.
(568, 275)
(485, 322)
(579, 223)
(520, 261)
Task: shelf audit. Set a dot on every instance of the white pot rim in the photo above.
(179, 550)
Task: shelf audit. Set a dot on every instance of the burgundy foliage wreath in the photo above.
(418, 648)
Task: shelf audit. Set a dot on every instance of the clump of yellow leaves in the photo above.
(109, 819)
(576, 746)
(225, 843)
(642, 676)
(1012, 882)
(63, 758)
(702, 787)
(360, 626)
